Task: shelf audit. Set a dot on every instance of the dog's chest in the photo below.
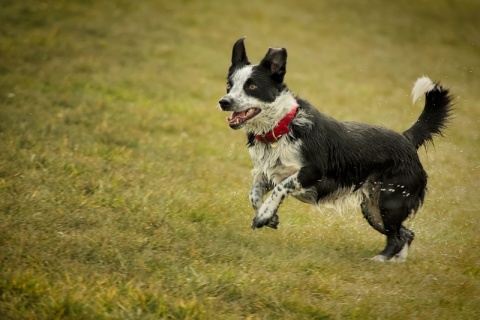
(276, 163)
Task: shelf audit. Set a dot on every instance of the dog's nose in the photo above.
(224, 103)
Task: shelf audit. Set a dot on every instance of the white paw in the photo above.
(379, 258)
(263, 216)
(402, 255)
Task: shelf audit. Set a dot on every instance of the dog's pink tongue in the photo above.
(236, 115)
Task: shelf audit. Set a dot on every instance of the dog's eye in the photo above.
(252, 87)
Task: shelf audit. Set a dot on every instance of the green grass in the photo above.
(123, 194)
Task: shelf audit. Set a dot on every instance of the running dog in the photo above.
(296, 150)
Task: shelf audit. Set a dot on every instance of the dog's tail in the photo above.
(435, 114)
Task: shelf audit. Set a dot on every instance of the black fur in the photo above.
(352, 153)
(239, 56)
(433, 119)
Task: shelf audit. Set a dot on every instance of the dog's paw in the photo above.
(266, 216)
(257, 222)
(379, 258)
(270, 222)
(273, 222)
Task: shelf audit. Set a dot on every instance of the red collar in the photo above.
(280, 129)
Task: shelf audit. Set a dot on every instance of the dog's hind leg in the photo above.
(374, 218)
(395, 240)
(393, 212)
(407, 236)
(371, 212)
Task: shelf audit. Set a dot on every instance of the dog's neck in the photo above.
(281, 129)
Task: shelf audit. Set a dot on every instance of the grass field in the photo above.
(123, 193)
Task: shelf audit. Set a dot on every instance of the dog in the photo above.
(297, 150)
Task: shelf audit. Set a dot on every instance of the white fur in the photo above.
(422, 86)
(379, 258)
(345, 198)
(276, 163)
(402, 255)
(239, 78)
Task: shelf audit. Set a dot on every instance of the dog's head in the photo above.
(256, 94)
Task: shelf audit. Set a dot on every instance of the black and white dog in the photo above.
(298, 151)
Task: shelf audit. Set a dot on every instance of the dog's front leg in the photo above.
(260, 187)
(267, 214)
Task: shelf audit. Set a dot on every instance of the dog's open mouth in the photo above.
(238, 119)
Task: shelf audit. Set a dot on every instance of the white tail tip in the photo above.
(422, 86)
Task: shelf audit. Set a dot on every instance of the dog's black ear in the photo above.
(239, 55)
(276, 62)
